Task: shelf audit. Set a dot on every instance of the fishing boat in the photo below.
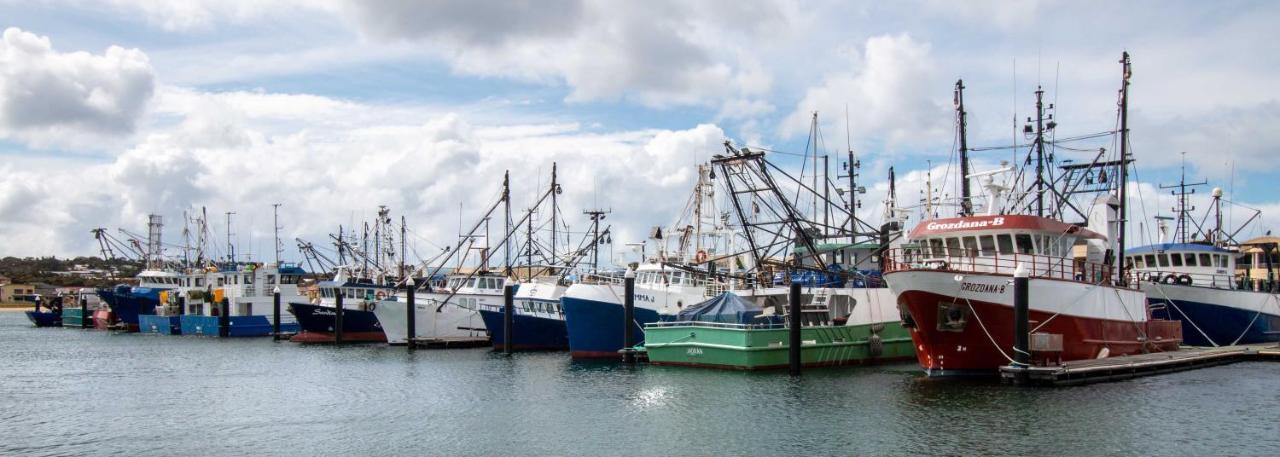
(729, 332)
(442, 313)
(1195, 280)
(127, 302)
(537, 322)
(249, 294)
(317, 318)
(50, 317)
(954, 278)
(73, 315)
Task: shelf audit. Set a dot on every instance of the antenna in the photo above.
(1183, 210)
(231, 247)
(275, 217)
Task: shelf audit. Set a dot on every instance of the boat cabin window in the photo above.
(935, 247)
(271, 279)
(1175, 260)
(1191, 260)
(1023, 243)
(1135, 261)
(953, 247)
(970, 246)
(1005, 242)
(1204, 260)
(988, 244)
(1164, 260)
(1222, 261)
(1151, 260)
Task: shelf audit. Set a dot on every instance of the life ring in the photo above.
(381, 295)
(1170, 279)
(1184, 280)
(701, 256)
(373, 306)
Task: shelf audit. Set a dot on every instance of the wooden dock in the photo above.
(450, 343)
(1117, 368)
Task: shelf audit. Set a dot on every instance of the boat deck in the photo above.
(1117, 368)
(450, 343)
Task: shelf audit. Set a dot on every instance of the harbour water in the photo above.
(76, 392)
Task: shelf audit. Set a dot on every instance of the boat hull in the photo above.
(73, 317)
(966, 326)
(316, 325)
(160, 325)
(104, 319)
(430, 321)
(737, 348)
(44, 319)
(531, 333)
(237, 326)
(127, 303)
(1213, 316)
(595, 327)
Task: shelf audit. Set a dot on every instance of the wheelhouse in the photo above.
(1183, 263)
(997, 244)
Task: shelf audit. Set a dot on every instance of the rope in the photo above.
(1193, 323)
(983, 326)
(1247, 327)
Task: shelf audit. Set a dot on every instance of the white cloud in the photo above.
(243, 151)
(49, 97)
(658, 53)
(884, 97)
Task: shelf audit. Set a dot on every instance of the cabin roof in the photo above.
(999, 223)
(1180, 247)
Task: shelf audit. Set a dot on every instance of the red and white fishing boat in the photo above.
(954, 285)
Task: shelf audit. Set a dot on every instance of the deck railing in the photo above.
(966, 261)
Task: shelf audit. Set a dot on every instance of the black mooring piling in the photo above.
(84, 312)
(508, 313)
(224, 319)
(1021, 322)
(793, 331)
(275, 314)
(182, 303)
(337, 318)
(411, 313)
(628, 316)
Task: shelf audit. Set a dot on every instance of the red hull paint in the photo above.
(971, 349)
(325, 337)
(103, 319)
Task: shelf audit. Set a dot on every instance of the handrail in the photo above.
(967, 261)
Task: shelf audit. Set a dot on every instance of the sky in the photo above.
(112, 110)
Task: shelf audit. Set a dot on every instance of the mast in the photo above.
(852, 169)
(1124, 163)
(1183, 210)
(528, 256)
(966, 206)
(402, 247)
(275, 218)
(826, 195)
(596, 216)
(813, 131)
(555, 189)
(697, 209)
(342, 253)
(1039, 184)
(231, 248)
(506, 198)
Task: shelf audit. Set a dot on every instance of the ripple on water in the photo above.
(74, 392)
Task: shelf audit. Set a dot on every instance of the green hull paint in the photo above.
(71, 317)
(737, 348)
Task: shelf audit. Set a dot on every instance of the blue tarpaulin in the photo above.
(726, 308)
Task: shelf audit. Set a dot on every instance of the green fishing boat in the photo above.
(736, 334)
